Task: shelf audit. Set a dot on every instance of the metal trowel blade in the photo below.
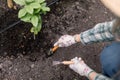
(56, 63)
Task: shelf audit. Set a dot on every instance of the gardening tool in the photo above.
(63, 62)
(52, 50)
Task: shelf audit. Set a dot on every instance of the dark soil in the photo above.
(23, 58)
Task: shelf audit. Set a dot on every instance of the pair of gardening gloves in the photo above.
(79, 66)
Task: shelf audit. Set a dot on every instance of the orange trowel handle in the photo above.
(55, 48)
(67, 62)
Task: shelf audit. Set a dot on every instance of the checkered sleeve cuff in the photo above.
(100, 33)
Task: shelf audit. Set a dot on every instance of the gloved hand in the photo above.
(65, 41)
(80, 67)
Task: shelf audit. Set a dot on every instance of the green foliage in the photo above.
(31, 12)
(20, 2)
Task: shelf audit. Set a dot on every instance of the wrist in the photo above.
(88, 71)
(92, 75)
(77, 38)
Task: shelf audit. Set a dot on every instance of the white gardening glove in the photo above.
(65, 41)
(80, 67)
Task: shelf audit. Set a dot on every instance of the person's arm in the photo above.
(84, 70)
(100, 33)
(96, 76)
(92, 75)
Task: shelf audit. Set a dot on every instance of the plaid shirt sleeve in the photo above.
(100, 33)
(101, 77)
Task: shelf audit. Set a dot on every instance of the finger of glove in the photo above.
(59, 44)
(75, 60)
(79, 58)
(62, 45)
(56, 44)
(73, 67)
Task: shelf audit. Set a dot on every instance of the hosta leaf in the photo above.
(29, 9)
(39, 17)
(34, 30)
(29, 1)
(39, 23)
(39, 26)
(45, 8)
(21, 13)
(37, 10)
(20, 2)
(35, 5)
(34, 20)
(40, 1)
(26, 18)
(43, 4)
(44, 12)
(37, 29)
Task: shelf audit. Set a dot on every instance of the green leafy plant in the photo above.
(31, 12)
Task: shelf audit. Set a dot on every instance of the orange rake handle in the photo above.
(67, 62)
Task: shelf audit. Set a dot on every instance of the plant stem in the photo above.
(34, 36)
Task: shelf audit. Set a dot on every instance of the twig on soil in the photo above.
(10, 26)
(53, 2)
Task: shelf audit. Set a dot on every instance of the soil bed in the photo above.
(23, 58)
